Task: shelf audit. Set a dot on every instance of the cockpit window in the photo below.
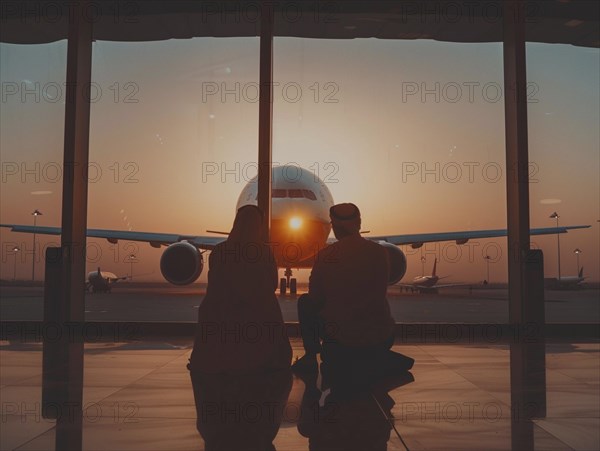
(309, 194)
(293, 193)
(276, 193)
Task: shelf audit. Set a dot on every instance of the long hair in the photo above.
(247, 226)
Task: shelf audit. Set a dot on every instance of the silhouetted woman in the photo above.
(240, 326)
(240, 365)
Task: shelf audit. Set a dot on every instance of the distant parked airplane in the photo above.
(564, 283)
(429, 283)
(101, 281)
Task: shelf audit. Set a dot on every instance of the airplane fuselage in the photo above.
(425, 281)
(568, 282)
(300, 222)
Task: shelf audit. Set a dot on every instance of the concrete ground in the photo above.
(138, 396)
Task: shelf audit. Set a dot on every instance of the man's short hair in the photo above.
(342, 213)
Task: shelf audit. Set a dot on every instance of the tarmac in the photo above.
(164, 302)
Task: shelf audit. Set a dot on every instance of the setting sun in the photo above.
(295, 222)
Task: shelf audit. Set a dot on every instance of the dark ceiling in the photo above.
(553, 21)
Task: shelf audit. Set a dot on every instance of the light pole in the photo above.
(556, 216)
(35, 214)
(131, 258)
(577, 252)
(487, 261)
(423, 259)
(15, 250)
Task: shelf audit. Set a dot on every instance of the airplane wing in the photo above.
(209, 242)
(417, 240)
(155, 239)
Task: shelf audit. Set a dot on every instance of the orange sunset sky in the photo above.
(370, 115)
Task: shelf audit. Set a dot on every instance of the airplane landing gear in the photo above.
(287, 281)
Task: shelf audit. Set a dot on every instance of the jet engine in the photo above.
(181, 263)
(397, 261)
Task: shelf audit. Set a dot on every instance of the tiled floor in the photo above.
(139, 397)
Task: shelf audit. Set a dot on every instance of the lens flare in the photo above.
(295, 222)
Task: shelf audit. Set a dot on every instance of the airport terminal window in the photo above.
(177, 123)
(413, 133)
(410, 131)
(564, 139)
(31, 142)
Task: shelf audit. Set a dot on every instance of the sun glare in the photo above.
(295, 222)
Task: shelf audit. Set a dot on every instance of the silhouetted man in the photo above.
(346, 304)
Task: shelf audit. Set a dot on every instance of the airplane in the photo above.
(101, 281)
(564, 283)
(300, 227)
(429, 283)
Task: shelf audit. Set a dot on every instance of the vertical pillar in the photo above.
(54, 347)
(517, 183)
(74, 217)
(265, 116)
(525, 267)
(528, 359)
